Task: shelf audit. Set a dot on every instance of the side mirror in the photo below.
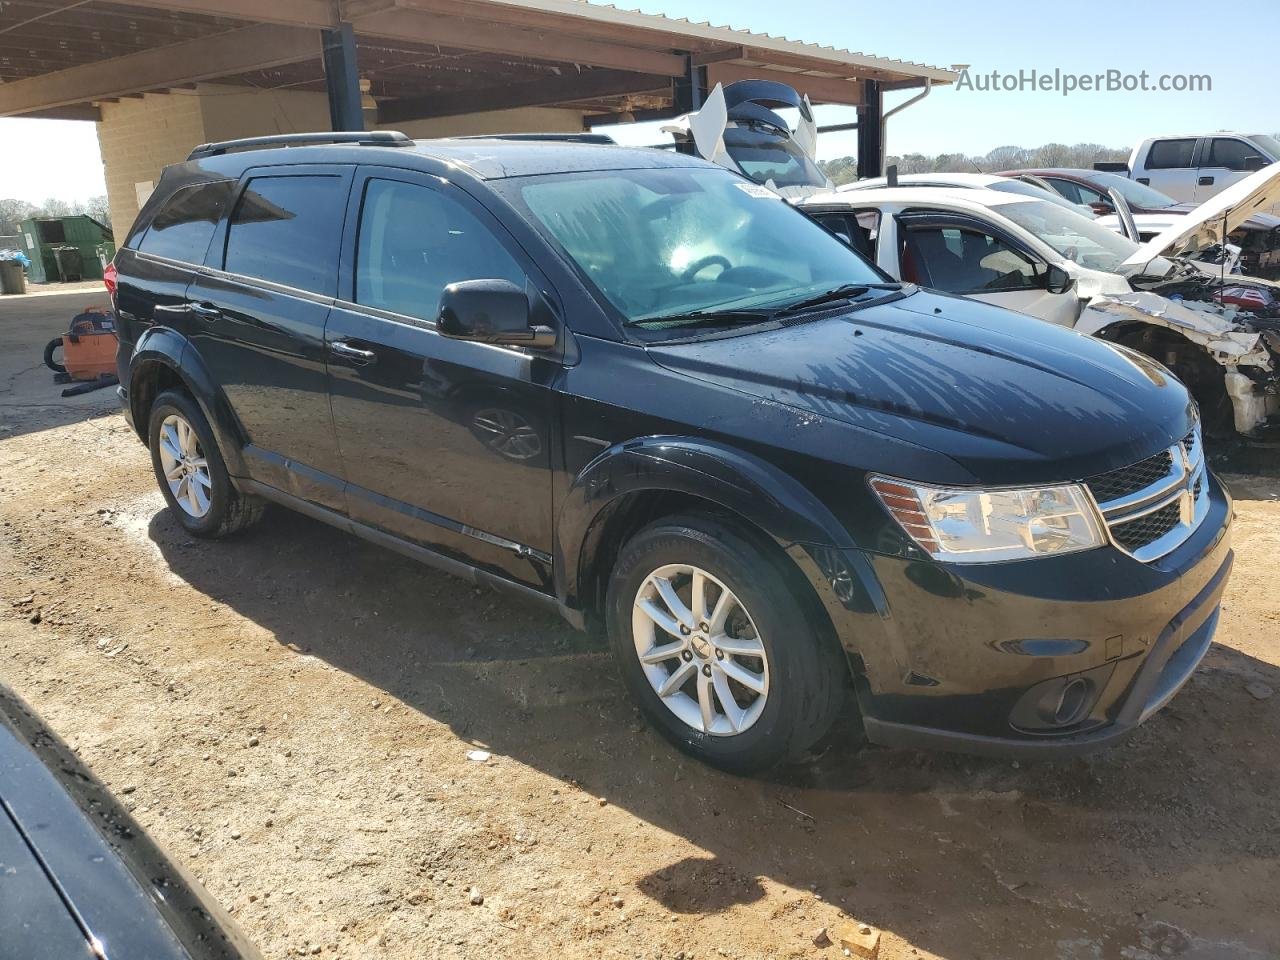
(491, 311)
(1254, 163)
(1101, 208)
(1057, 280)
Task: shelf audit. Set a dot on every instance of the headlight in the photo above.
(964, 525)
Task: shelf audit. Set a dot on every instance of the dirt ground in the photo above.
(291, 715)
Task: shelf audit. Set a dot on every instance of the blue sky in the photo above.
(1083, 36)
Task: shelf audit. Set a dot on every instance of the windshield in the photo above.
(1135, 194)
(1269, 144)
(765, 154)
(1077, 238)
(672, 241)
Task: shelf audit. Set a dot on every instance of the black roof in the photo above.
(492, 158)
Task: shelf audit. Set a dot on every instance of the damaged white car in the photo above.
(1219, 333)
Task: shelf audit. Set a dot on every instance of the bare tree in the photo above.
(844, 169)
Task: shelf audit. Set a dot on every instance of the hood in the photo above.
(1009, 398)
(1215, 219)
(737, 124)
(1259, 221)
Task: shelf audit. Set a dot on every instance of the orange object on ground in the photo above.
(89, 348)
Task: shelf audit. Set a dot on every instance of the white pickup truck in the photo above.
(1195, 168)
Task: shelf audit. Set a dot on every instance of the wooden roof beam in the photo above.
(491, 37)
(551, 91)
(237, 51)
(819, 89)
(298, 13)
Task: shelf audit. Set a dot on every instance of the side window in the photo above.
(287, 230)
(1067, 188)
(1230, 153)
(857, 228)
(965, 261)
(184, 223)
(1090, 195)
(414, 241)
(1171, 154)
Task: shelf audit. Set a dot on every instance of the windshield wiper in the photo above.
(846, 291)
(697, 317)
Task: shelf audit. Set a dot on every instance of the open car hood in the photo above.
(749, 105)
(1212, 221)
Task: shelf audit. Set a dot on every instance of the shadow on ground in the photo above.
(957, 855)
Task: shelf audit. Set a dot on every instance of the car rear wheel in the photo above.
(717, 649)
(191, 472)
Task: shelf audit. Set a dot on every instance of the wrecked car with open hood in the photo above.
(1218, 332)
(738, 128)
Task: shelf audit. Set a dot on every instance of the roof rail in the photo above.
(372, 138)
(601, 138)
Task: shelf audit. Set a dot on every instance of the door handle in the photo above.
(340, 348)
(1205, 182)
(205, 311)
(1144, 180)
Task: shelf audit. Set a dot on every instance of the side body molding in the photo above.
(740, 482)
(167, 347)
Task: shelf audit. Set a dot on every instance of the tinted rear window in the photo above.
(1171, 154)
(182, 227)
(287, 230)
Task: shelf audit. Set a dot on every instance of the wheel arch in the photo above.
(162, 360)
(632, 484)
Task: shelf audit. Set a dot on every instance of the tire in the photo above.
(803, 673)
(210, 505)
(50, 348)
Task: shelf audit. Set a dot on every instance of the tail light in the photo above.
(109, 278)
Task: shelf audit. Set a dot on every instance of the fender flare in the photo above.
(740, 482)
(168, 348)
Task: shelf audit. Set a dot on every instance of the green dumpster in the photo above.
(41, 236)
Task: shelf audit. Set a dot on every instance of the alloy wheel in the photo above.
(185, 467)
(700, 650)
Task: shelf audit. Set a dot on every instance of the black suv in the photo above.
(637, 388)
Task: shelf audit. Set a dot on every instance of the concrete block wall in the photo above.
(137, 138)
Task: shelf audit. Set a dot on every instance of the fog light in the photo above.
(1073, 702)
(1060, 703)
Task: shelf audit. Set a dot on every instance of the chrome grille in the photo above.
(1152, 506)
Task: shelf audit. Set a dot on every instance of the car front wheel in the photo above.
(716, 647)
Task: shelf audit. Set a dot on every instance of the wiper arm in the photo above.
(847, 291)
(703, 316)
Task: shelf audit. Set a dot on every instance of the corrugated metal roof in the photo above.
(704, 29)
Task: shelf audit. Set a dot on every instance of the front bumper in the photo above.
(966, 658)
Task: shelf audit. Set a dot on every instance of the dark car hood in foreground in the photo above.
(1010, 398)
(78, 877)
